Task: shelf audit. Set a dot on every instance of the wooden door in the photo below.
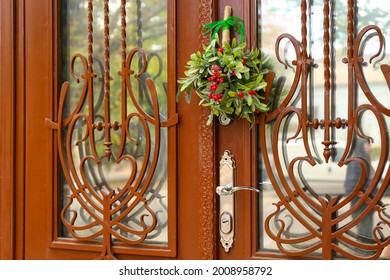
(57, 206)
(319, 157)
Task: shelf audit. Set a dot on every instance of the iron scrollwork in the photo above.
(325, 221)
(97, 209)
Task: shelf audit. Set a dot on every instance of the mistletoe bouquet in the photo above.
(228, 78)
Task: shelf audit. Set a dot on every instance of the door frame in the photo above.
(7, 148)
(12, 121)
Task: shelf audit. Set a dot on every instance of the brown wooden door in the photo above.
(328, 117)
(53, 210)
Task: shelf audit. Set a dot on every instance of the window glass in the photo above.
(136, 172)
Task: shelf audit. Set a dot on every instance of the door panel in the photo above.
(55, 227)
(236, 137)
(329, 100)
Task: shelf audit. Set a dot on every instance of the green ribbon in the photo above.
(232, 21)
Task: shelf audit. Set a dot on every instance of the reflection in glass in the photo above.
(331, 179)
(147, 29)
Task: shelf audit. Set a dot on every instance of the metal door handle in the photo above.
(226, 190)
(229, 189)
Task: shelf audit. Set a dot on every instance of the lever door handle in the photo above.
(229, 189)
(226, 190)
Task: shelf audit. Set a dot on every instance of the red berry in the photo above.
(220, 50)
(240, 94)
(243, 61)
(233, 73)
(257, 112)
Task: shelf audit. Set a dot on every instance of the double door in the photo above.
(99, 161)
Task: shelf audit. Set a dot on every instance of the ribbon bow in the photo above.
(232, 21)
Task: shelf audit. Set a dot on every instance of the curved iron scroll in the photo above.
(327, 229)
(111, 212)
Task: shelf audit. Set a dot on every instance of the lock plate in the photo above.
(227, 169)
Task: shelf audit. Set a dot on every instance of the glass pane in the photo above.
(321, 178)
(136, 172)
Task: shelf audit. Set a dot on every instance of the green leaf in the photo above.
(229, 104)
(194, 57)
(208, 104)
(192, 71)
(246, 116)
(261, 85)
(229, 110)
(238, 108)
(217, 39)
(188, 96)
(234, 42)
(263, 107)
(241, 69)
(210, 46)
(213, 59)
(232, 93)
(249, 100)
(263, 71)
(255, 101)
(227, 47)
(241, 46)
(178, 94)
(187, 83)
(210, 119)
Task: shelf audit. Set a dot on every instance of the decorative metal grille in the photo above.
(305, 222)
(99, 208)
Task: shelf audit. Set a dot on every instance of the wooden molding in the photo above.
(207, 159)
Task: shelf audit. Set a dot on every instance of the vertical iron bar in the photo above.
(123, 32)
(139, 44)
(351, 30)
(90, 35)
(332, 30)
(124, 74)
(304, 67)
(351, 75)
(89, 76)
(139, 24)
(107, 124)
(327, 120)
